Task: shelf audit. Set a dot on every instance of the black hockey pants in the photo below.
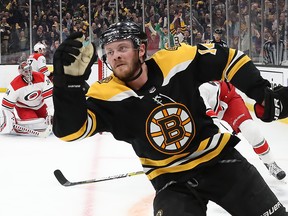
(233, 183)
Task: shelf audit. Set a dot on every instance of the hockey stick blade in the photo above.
(63, 181)
(61, 178)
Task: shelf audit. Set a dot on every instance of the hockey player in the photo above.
(155, 106)
(217, 37)
(222, 100)
(37, 59)
(30, 94)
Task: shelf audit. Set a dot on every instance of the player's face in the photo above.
(26, 72)
(217, 37)
(123, 59)
(43, 51)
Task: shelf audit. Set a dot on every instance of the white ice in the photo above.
(29, 188)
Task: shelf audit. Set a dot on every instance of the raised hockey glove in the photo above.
(276, 104)
(72, 62)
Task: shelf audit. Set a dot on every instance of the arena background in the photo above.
(258, 28)
(28, 186)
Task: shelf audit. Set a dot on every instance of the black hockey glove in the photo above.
(72, 62)
(276, 104)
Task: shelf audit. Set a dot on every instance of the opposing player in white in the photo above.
(37, 59)
(223, 102)
(30, 94)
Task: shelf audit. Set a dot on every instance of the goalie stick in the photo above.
(42, 134)
(63, 181)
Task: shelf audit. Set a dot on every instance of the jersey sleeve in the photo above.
(9, 99)
(70, 114)
(221, 63)
(42, 66)
(47, 95)
(209, 92)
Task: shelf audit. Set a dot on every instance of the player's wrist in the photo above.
(69, 82)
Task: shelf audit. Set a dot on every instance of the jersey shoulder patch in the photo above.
(207, 48)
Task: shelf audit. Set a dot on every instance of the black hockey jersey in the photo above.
(165, 121)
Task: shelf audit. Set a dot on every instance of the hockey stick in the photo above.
(42, 134)
(227, 128)
(63, 181)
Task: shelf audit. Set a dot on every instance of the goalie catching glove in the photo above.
(72, 62)
(276, 104)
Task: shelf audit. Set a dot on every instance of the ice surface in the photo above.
(29, 188)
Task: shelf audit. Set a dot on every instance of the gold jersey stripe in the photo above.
(165, 162)
(93, 117)
(158, 163)
(237, 66)
(230, 57)
(77, 134)
(192, 164)
(112, 89)
(203, 145)
(84, 128)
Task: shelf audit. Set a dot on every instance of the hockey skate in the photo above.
(275, 171)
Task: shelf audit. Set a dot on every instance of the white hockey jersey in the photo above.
(210, 92)
(31, 96)
(38, 63)
(215, 108)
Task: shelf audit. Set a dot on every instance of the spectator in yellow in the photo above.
(178, 30)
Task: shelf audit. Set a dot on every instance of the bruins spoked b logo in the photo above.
(170, 128)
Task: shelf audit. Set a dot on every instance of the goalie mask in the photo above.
(121, 31)
(26, 71)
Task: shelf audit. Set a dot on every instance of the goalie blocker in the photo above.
(275, 104)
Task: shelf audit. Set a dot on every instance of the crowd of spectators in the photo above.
(247, 25)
